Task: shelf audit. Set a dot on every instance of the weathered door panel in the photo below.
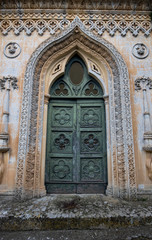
(76, 159)
(60, 142)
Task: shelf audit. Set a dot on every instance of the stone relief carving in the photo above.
(55, 23)
(57, 68)
(119, 107)
(140, 51)
(144, 84)
(94, 67)
(12, 50)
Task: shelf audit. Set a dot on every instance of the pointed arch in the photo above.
(121, 149)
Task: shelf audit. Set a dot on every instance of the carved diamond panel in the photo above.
(61, 142)
(62, 116)
(91, 117)
(92, 169)
(91, 142)
(61, 169)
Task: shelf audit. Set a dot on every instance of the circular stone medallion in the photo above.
(12, 50)
(140, 51)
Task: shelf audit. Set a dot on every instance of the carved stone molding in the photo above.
(140, 51)
(57, 22)
(29, 148)
(79, 4)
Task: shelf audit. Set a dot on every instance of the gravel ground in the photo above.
(129, 233)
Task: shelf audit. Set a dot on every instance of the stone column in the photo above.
(147, 125)
(109, 190)
(1, 166)
(6, 83)
(46, 102)
(145, 84)
(5, 119)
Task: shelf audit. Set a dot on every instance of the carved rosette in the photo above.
(12, 50)
(140, 51)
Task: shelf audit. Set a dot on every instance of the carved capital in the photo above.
(147, 142)
(106, 98)
(142, 83)
(149, 167)
(4, 143)
(46, 98)
(8, 83)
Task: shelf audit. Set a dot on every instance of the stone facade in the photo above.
(37, 40)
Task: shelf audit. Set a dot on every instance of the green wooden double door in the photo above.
(76, 146)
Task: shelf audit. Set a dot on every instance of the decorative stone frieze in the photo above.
(57, 22)
(79, 4)
(29, 150)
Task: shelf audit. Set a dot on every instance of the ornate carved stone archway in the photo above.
(28, 178)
